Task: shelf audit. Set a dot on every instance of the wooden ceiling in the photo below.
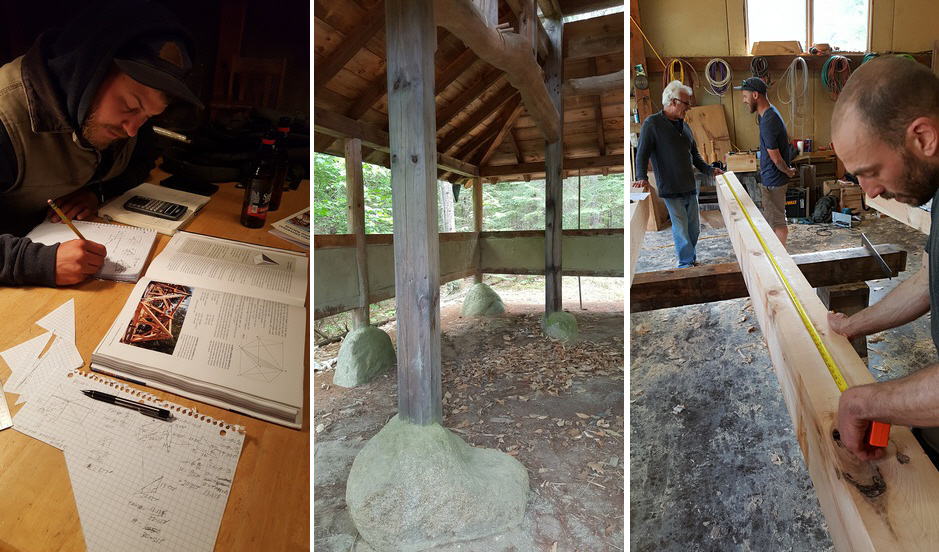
(481, 122)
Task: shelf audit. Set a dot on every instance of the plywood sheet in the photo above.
(709, 127)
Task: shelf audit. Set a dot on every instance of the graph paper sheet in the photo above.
(139, 483)
(5, 419)
(128, 247)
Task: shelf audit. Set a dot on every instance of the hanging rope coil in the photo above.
(835, 72)
(675, 69)
(759, 68)
(718, 75)
(795, 81)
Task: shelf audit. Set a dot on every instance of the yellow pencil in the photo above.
(65, 218)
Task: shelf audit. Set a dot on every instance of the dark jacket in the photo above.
(45, 96)
(674, 155)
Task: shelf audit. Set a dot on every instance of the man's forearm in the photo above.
(909, 401)
(905, 303)
(782, 166)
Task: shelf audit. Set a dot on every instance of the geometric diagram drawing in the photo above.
(150, 489)
(261, 359)
(153, 319)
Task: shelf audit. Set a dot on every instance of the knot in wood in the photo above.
(397, 84)
(413, 158)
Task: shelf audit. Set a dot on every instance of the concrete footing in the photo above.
(417, 487)
(481, 300)
(560, 325)
(365, 354)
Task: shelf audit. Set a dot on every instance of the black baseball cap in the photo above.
(160, 62)
(753, 84)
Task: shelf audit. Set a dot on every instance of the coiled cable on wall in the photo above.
(795, 81)
(675, 70)
(718, 75)
(835, 72)
(759, 68)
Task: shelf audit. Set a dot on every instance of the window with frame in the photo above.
(842, 24)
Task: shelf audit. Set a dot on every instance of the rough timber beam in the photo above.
(597, 85)
(889, 505)
(703, 284)
(914, 217)
(333, 124)
(509, 52)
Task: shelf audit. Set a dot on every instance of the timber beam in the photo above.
(885, 505)
(509, 52)
(333, 124)
(597, 85)
(703, 284)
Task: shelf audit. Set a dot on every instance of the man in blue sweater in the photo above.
(774, 155)
(666, 138)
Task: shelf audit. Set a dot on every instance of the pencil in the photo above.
(64, 218)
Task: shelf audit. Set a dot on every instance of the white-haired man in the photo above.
(666, 139)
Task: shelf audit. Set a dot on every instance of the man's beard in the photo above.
(752, 107)
(95, 133)
(920, 180)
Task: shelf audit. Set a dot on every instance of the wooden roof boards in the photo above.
(480, 118)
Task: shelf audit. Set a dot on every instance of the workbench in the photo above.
(269, 504)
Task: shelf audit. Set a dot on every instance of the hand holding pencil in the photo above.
(75, 260)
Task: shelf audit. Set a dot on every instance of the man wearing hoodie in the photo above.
(73, 114)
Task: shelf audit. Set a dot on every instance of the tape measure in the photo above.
(878, 432)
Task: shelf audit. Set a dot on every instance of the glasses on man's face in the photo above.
(684, 103)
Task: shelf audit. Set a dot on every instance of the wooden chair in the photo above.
(252, 82)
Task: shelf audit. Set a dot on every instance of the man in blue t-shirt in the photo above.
(774, 155)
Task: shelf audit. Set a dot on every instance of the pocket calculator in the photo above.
(155, 207)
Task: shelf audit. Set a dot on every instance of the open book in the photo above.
(218, 321)
(295, 228)
(114, 210)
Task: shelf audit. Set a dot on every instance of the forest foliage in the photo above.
(506, 205)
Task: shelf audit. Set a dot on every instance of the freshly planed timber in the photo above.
(638, 215)
(717, 282)
(913, 217)
(411, 42)
(889, 505)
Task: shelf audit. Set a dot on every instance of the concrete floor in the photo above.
(714, 461)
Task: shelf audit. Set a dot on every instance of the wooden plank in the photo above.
(888, 505)
(446, 114)
(337, 59)
(775, 62)
(709, 127)
(411, 38)
(637, 56)
(638, 215)
(505, 122)
(505, 51)
(914, 217)
(598, 36)
(598, 111)
(482, 113)
(554, 166)
(718, 282)
(514, 144)
(355, 221)
(456, 68)
(539, 168)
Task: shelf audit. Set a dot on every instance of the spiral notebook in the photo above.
(139, 483)
(128, 247)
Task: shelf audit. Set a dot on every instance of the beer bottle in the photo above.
(259, 185)
(280, 162)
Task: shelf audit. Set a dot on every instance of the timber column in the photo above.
(554, 160)
(415, 485)
(410, 43)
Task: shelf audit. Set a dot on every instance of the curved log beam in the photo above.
(508, 52)
(593, 86)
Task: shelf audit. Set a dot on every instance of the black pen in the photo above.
(145, 409)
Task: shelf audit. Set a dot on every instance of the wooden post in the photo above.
(355, 222)
(410, 37)
(848, 299)
(554, 158)
(528, 24)
(478, 226)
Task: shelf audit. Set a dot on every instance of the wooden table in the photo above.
(269, 505)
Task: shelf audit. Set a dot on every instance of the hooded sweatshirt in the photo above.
(45, 97)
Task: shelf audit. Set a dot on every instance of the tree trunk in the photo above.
(445, 196)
